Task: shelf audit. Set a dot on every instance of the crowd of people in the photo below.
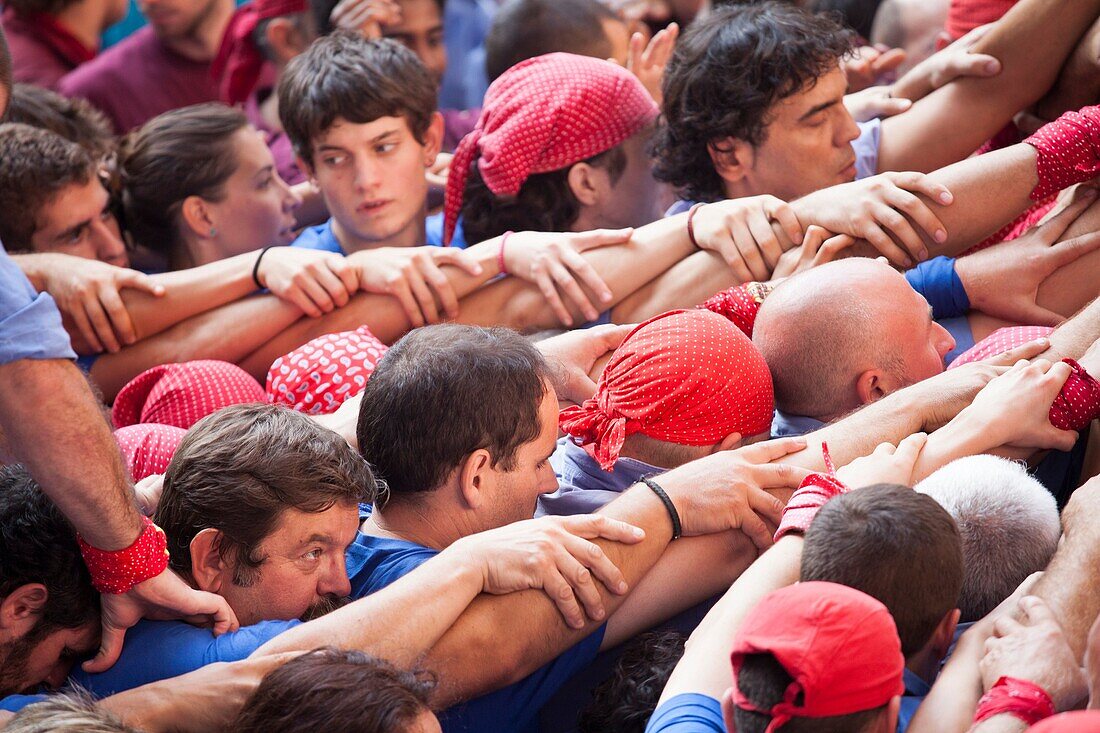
(663, 366)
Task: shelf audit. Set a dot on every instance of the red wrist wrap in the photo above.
(1078, 403)
(814, 491)
(121, 570)
(739, 305)
(1019, 698)
(1068, 151)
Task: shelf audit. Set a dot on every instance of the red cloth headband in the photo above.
(320, 376)
(688, 377)
(542, 115)
(239, 62)
(183, 394)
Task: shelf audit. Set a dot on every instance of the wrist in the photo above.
(118, 571)
(1018, 698)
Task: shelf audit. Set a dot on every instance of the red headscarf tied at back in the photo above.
(687, 377)
(542, 115)
(239, 62)
(182, 394)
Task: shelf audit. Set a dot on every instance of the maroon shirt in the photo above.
(41, 50)
(138, 79)
(277, 141)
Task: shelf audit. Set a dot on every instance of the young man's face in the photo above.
(78, 221)
(372, 177)
(34, 658)
(634, 200)
(176, 19)
(807, 145)
(302, 573)
(421, 31)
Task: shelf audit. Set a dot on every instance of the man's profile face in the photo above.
(634, 200)
(372, 177)
(78, 221)
(302, 569)
(44, 657)
(807, 143)
(175, 19)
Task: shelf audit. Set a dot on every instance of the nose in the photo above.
(335, 582)
(291, 199)
(549, 485)
(847, 130)
(366, 175)
(109, 246)
(945, 341)
(58, 674)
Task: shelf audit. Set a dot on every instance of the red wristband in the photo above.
(500, 253)
(691, 224)
(1078, 403)
(1019, 698)
(120, 570)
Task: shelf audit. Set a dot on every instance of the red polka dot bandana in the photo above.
(1000, 341)
(183, 394)
(1069, 151)
(687, 377)
(739, 305)
(542, 115)
(147, 449)
(320, 376)
(239, 63)
(1078, 403)
(118, 571)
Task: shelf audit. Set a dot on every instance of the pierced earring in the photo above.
(213, 232)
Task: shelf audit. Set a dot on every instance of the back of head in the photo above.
(1008, 523)
(181, 153)
(336, 691)
(443, 392)
(625, 702)
(35, 165)
(818, 331)
(70, 712)
(37, 545)
(240, 468)
(524, 29)
(895, 545)
(728, 71)
(346, 76)
(73, 119)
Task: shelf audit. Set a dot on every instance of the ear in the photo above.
(197, 217)
(208, 568)
(285, 40)
(473, 478)
(890, 719)
(731, 441)
(871, 386)
(587, 183)
(732, 158)
(433, 139)
(944, 634)
(21, 609)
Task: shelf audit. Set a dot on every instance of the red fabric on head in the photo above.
(1068, 151)
(183, 394)
(1078, 721)
(148, 448)
(239, 62)
(839, 645)
(687, 377)
(965, 15)
(542, 115)
(320, 376)
(1000, 341)
(1078, 403)
(739, 304)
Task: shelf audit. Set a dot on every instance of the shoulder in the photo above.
(109, 67)
(375, 562)
(688, 713)
(318, 237)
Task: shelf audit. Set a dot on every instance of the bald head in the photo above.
(820, 330)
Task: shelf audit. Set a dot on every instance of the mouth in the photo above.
(373, 206)
(289, 232)
(849, 170)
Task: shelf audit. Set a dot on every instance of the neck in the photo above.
(421, 520)
(193, 252)
(86, 21)
(410, 236)
(204, 40)
(739, 189)
(924, 664)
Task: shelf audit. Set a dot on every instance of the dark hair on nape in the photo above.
(74, 119)
(764, 681)
(35, 165)
(181, 153)
(897, 546)
(545, 202)
(727, 73)
(336, 691)
(524, 29)
(37, 545)
(443, 392)
(625, 702)
(344, 75)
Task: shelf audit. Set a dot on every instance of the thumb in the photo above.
(140, 281)
(1034, 314)
(1082, 199)
(1071, 250)
(576, 385)
(458, 257)
(771, 450)
(891, 106)
(110, 647)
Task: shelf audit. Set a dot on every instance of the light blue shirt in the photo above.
(30, 324)
(584, 487)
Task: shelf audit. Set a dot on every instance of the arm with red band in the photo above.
(119, 571)
(1019, 698)
(815, 491)
(1078, 403)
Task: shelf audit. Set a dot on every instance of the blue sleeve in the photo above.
(688, 713)
(394, 567)
(157, 650)
(318, 237)
(30, 324)
(516, 706)
(15, 703)
(940, 285)
(433, 232)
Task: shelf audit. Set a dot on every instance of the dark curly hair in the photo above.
(625, 701)
(545, 202)
(727, 73)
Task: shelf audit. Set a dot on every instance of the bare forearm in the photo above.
(684, 285)
(1074, 337)
(55, 427)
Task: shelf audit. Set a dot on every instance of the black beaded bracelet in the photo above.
(677, 530)
(256, 269)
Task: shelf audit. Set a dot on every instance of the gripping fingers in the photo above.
(583, 586)
(591, 556)
(80, 318)
(903, 231)
(121, 323)
(100, 321)
(782, 212)
(882, 242)
(561, 593)
(441, 285)
(423, 295)
(316, 292)
(401, 291)
(756, 530)
(570, 287)
(546, 286)
(766, 240)
(747, 249)
(920, 213)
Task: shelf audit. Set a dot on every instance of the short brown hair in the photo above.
(26, 7)
(443, 392)
(238, 469)
(181, 153)
(895, 545)
(35, 165)
(74, 119)
(347, 76)
(335, 691)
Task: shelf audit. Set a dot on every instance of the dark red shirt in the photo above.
(138, 79)
(41, 50)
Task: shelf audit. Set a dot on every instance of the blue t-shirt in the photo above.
(321, 236)
(30, 324)
(688, 713)
(584, 487)
(15, 703)
(157, 650)
(433, 232)
(375, 562)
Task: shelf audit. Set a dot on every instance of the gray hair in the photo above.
(1008, 522)
(74, 712)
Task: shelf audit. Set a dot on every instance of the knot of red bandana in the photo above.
(1068, 151)
(814, 491)
(1078, 403)
(739, 305)
(542, 115)
(238, 65)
